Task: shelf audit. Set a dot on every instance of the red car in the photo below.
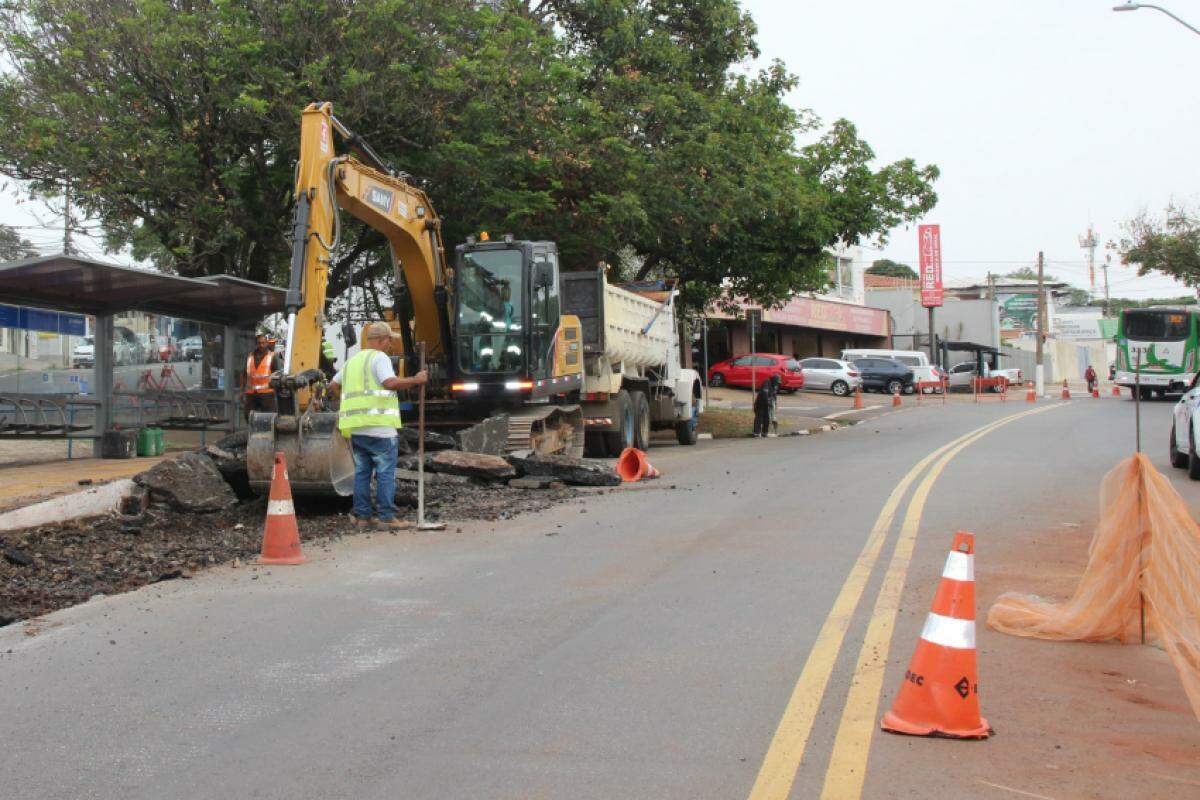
(736, 371)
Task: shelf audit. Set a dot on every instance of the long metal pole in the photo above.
(421, 440)
(704, 326)
(1040, 372)
(932, 338)
(1137, 405)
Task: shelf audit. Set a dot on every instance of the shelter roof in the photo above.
(71, 283)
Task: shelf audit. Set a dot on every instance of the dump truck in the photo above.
(633, 378)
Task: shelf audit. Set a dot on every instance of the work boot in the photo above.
(360, 522)
(393, 524)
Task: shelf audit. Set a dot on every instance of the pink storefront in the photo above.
(805, 326)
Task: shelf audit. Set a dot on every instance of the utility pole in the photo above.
(1040, 377)
(1107, 303)
(67, 249)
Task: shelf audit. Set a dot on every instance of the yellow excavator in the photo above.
(492, 325)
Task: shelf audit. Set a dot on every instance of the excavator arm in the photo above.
(381, 198)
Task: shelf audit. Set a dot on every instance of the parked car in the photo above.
(839, 377)
(84, 355)
(736, 371)
(961, 375)
(191, 348)
(1184, 425)
(168, 350)
(916, 360)
(885, 374)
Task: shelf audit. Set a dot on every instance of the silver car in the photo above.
(839, 377)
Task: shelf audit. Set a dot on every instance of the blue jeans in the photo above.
(374, 454)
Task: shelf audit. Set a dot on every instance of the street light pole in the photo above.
(1131, 6)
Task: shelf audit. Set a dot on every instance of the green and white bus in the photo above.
(1167, 339)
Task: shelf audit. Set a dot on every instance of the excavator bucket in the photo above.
(318, 456)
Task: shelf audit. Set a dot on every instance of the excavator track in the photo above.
(547, 430)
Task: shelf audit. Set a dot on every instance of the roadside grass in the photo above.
(735, 423)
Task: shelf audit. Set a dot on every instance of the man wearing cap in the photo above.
(370, 416)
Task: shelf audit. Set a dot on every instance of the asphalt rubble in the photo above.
(196, 510)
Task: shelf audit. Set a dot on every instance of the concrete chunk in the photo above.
(489, 436)
(569, 470)
(190, 483)
(472, 465)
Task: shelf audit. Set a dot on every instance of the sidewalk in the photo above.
(24, 483)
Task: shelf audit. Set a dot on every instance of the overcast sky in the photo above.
(1041, 114)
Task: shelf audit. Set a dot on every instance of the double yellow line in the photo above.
(847, 766)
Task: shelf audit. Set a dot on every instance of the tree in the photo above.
(14, 247)
(599, 124)
(1028, 274)
(891, 269)
(1170, 245)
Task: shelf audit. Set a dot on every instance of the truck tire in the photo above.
(593, 445)
(641, 418)
(687, 431)
(616, 441)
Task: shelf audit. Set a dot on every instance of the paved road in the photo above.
(643, 644)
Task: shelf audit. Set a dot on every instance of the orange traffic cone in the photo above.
(1066, 392)
(1116, 392)
(895, 399)
(1030, 395)
(632, 466)
(281, 537)
(940, 692)
(858, 397)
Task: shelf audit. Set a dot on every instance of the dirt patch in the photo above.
(735, 423)
(51, 567)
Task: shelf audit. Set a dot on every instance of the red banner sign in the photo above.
(930, 239)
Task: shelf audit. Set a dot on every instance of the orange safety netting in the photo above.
(1147, 544)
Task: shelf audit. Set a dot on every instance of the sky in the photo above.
(1043, 115)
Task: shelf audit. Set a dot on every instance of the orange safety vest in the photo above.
(258, 375)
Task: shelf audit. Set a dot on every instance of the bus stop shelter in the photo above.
(67, 283)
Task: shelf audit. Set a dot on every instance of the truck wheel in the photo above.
(641, 417)
(622, 437)
(687, 432)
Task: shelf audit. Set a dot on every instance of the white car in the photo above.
(839, 377)
(1184, 427)
(962, 373)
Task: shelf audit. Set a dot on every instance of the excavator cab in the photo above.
(507, 312)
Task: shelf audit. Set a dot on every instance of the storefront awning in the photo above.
(809, 312)
(71, 283)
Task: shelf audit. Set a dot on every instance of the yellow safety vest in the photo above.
(365, 403)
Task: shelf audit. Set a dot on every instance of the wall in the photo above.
(959, 320)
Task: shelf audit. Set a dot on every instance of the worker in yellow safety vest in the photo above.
(370, 416)
(257, 394)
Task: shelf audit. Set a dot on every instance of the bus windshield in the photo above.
(1157, 325)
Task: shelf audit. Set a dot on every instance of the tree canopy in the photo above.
(13, 246)
(599, 124)
(891, 269)
(1169, 244)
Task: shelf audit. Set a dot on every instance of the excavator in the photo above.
(494, 335)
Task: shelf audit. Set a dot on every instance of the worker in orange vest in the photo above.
(257, 394)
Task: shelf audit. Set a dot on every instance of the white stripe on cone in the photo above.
(276, 508)
(959, 567)
(949, 632)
